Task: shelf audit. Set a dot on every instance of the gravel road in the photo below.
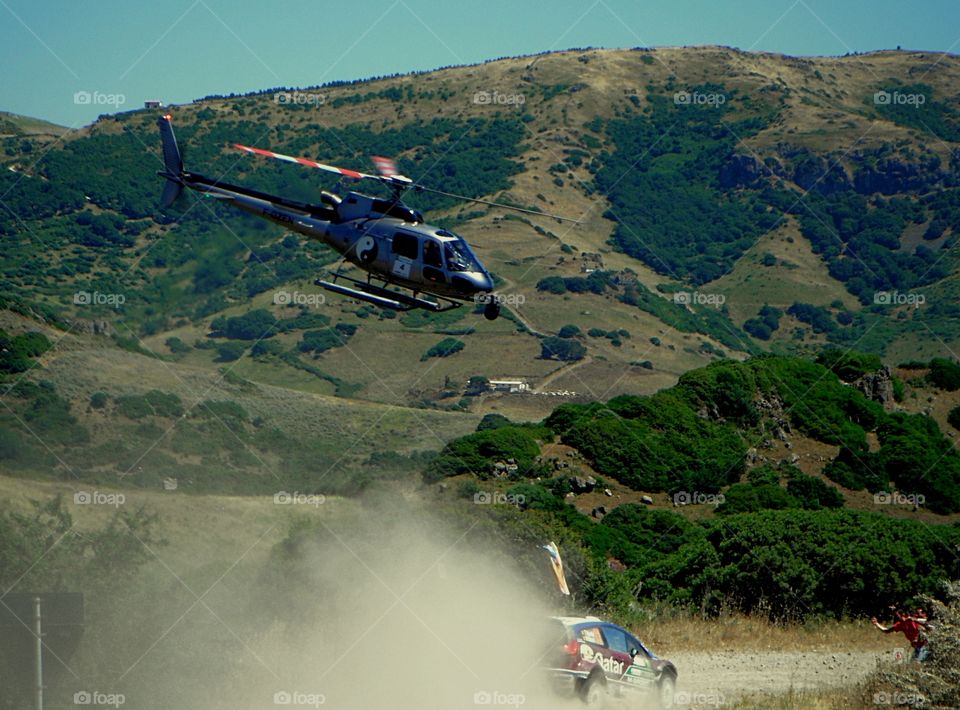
(709, 680)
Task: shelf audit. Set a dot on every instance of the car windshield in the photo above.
(458, 254)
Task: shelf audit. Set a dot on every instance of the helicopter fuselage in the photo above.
(388, 240)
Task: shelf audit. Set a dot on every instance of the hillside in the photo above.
(730, 202)
(777, 486)
(13, 124)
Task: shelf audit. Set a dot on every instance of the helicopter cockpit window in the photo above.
(459, 256)
(457, 260)
(431, 254)
(406, 245)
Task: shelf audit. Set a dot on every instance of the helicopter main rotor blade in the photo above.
(394, 180)
(306, 162)
(495, 204)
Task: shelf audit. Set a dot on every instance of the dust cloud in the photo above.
(376, 610)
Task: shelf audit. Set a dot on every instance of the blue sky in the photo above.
(178, 50)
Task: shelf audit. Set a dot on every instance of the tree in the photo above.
(565, 349)
(478, 384)
(552, 284)
(254, 325)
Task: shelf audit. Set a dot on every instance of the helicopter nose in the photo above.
(485, 283)
(473, 282)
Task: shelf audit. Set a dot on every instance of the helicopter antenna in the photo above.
(421, 188)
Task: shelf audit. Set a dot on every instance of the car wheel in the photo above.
(666, 690)
(594, 693)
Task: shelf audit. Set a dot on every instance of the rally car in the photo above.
(594, 659)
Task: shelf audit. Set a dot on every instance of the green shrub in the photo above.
(953, 417)
(230, 351)
(849, 365)
(810, 492)
(493, 421)
(153, 403)
(319, 341)
(17, 353)
(476, 453)
(177, 346)
(749, 498)
(445, 348)
(221, 409)
(944, 374)
(254, 325)
(133, 406)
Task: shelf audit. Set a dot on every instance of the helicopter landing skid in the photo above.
(384, 297)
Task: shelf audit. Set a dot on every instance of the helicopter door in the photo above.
(406, 251)
(433, 261)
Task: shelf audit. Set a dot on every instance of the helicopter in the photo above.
(433, 268)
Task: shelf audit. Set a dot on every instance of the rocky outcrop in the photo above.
(747, 171)
(91, 327)
(821, 174)
(582, 485)
(893, 176)
(877, 386)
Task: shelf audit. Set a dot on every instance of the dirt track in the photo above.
(708, 680)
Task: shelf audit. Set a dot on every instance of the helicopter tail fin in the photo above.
(173, 163)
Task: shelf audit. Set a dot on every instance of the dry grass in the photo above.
(803, 700)
(670, 633)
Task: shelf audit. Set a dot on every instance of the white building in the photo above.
(509, 386)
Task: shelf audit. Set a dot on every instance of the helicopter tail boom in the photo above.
(172, 162)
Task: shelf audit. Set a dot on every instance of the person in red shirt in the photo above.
(911, 628)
